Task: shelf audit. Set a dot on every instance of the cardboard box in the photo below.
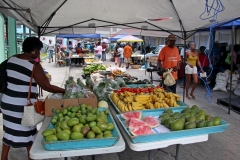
(51, 104)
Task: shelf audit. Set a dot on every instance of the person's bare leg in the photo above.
(28, 150)
(188, 81)
(5, 150)
(195, 82)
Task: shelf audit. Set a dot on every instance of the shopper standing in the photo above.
(169, 58)
(120, 54)
(50, 49)
(192, 59)
(127, 54)
(98, 50)
(104, 48)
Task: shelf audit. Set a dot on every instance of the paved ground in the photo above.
(221, 146)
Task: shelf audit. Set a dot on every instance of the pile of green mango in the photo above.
(76, 123)
(189, 118)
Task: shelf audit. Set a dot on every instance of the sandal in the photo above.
(188, 97)
(193, 97)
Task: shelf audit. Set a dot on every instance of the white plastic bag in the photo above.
(168, 78)
(237, 90)
(221, 82)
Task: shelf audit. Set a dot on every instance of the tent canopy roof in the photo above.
(84, 16)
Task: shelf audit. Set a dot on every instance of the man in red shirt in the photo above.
(201, 56)
(169, 58)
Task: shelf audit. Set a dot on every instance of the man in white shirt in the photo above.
(120, 58)
(50, 49)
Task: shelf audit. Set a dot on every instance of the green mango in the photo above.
(69, 114)
(190, 125)
(74, 109)
(58, 129)
(209, 123)
(163, 118)
(73, 115)
(186, 110)
(96, 130)
(60, 115)
(175, 115)
(58, 111)
(99, 136)
(93, 123)
(82, 120)
(65, 111)
(216, 121)
(110, 126)
(106, 111)
(61, 119)
(77, 136)
(72, 122)
(78, 115)
(201, 111)
(54, 121)
(48, 132)
(208, 117)
(168, 111)
(89, 114)
(169, 121)
(191, 119)
(77, 127)
(102, 127)
(91, 118)
(90, 135)
(200, 116)
(67, 131)
(64, 125)
(69, 108)
(107, 132)
(177, 125)
(201, 124)
(94, 110)
(64, 136)
(51, 138)
(84, 112)
(66, 118)
(108, 136)
(85, 130)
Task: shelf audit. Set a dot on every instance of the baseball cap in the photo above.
(171, 37)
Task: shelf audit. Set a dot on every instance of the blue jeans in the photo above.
(99, 56)
(103, 56)
(50, 54)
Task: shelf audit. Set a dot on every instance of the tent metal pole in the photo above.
(232, 50)
(184, 62)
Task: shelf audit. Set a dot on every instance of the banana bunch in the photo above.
(122, 106)
(128, 99)
(171, 102)
(142, 99)
(149, 106)
(161, 105)
(129, 93)
(137, 106)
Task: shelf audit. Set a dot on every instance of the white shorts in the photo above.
(189, 70)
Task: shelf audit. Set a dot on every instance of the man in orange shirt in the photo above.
(127, 54)
(169, 58)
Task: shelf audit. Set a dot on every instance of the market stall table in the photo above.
(136, 58)
(150, 146)
(39, 152)
(77, 58)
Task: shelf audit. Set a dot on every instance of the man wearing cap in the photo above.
(169, 58)
(127, 54)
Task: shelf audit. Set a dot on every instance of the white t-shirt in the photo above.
(121, 52)
(182, 52)
(50, 47)
(99, 49)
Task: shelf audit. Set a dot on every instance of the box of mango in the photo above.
(80, 127)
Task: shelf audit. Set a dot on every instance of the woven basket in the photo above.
(135, 66)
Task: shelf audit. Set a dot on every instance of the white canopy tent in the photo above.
(150, 16)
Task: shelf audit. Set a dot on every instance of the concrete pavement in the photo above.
(220, 146)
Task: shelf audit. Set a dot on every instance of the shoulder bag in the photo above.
(168, 78)
(33, 113)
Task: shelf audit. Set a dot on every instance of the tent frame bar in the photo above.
(15, 9)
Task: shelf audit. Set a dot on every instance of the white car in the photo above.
(155, 52)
